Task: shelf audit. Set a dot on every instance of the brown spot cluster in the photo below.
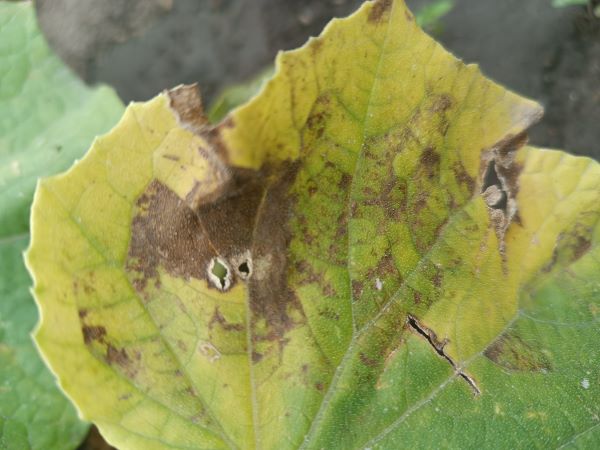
(316, 123)
(93, 333)
(463, 177)
(430, 160)
(512, 352)
(117, 356)
(379, 8)
(392, 198)
(219, 319)
(357, 289)
(96, 339)
(570, 246)
(367, 360)
(306, 273)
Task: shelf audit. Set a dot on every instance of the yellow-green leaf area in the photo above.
(365, 254)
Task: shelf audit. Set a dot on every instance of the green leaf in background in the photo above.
(235, 95)
(365, 255)
(595, 10)
(563, 3)
(47, 118)
(429, 15)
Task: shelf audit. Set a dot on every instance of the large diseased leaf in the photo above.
(40, 101)
(364, 255)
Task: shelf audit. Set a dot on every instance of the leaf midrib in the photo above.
(339, 370)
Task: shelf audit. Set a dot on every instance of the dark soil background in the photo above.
(144, 46)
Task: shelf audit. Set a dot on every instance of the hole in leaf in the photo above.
(491, 177)
(430, 336)
(244, 268)
(492, 189)
(243, 265)
(219, 274)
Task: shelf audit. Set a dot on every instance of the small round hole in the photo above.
(244, 269)
(219, 274)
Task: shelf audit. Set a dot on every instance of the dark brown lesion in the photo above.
(270, 294)
(379, 8)
(186, 102)
(516, 354)
(93, 333)
(571, 245)
(218, 319)
(430, 160)
(117, 356)
(167, 233)
(463, 177)
(96, 339)
(240, 234)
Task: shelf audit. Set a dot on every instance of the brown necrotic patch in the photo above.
(186, 102)
(167, 233)
(241, 236)
(99, 344)
(463, 177)
(93, 333)
(571, 245)
(380, 7)
(430, 160)
(268, 287)
(117, 356)
(514, 353)
(219, 319)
